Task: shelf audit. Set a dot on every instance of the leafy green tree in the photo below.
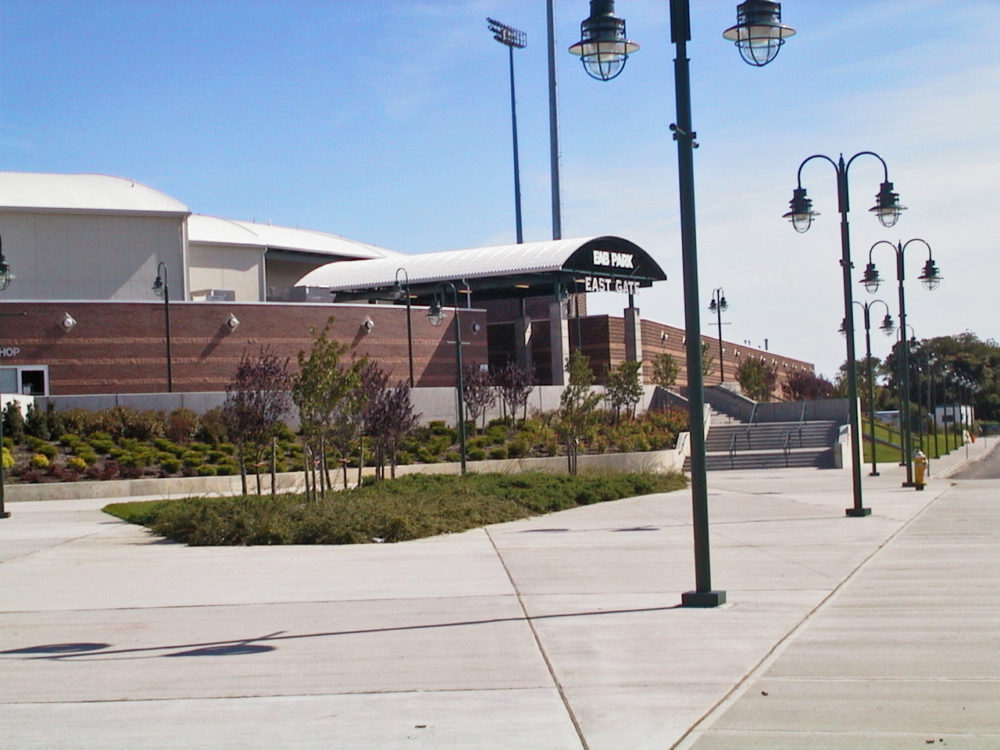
(757, 378)
(578, 415)
(330, 402)
(707, 359)
(623, 389)
(665, 370)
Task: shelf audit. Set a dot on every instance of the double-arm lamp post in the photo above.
(718, 305)
(930, 277)
(604, 49)
(887, 209)
(887, 328)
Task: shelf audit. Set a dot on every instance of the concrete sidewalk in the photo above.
(562, 631)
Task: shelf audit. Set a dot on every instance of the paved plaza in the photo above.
(561, 631)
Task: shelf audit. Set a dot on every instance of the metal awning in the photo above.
(590, 264)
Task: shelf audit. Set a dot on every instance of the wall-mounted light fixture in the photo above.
(368, 324)
(232, 322)
(476, 328)
(67, 322)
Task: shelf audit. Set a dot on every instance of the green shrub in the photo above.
(48, 450)
(13, 421)
(212, 427)
(76, 463)
(36, 423)
(410, 507)
(206, 470)
(39, 461)
(229, 469)
(70, 440)
(85, 454)
(181, 425)
(476, 454)
(518, 449)
(498, 452)
(170, 465)
(8, 459)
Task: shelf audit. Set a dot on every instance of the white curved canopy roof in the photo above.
(531, 264)
(31, 191)
(217, 231)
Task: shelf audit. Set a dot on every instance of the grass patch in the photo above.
(411, 507)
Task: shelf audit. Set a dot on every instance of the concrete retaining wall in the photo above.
(650, 461)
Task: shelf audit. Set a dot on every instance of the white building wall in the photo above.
(237, 269)
(90, 256)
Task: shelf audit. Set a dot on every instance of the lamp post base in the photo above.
(858, 512)
(703, 599)
(5, 514)
(908, 484)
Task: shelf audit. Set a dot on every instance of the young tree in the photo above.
(665, 370)
(326, 392)
(707, 359)
(515, 385)
(578, 414)
(477, 387)
(390, 418)
(623, 389)
(257, 399)
(757, 378)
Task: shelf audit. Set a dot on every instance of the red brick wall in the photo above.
(121, 347)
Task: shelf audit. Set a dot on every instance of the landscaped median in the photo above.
(411, 507)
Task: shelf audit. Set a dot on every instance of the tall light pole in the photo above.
(436, 315)
(718, 305)
(553, 123)
(887, 328)
(512, 38)
(5, 277)
(404, 289)
(603, 49)
(161, 287)
(930, 277)
(887, 209)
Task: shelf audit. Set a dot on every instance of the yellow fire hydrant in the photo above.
(919, 469)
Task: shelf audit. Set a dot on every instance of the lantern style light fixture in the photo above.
(604, 46)
(759, 32)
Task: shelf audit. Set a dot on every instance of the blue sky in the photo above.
(389, 122)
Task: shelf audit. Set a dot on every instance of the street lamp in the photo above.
(930, 277)
(887, 328)
(436, 316)
(512, 38)
(162, 289)
(887, 209)
(404, 289)
(603, 49)
(758, 32)
(718, 305)
(5, 277)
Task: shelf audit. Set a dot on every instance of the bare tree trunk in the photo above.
(274, 464)
(243, 470)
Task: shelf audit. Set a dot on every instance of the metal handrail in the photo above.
(787, 447)
(732, 451)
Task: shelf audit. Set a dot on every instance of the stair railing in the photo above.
(732, 451)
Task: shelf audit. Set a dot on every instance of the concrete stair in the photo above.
(770, 445)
